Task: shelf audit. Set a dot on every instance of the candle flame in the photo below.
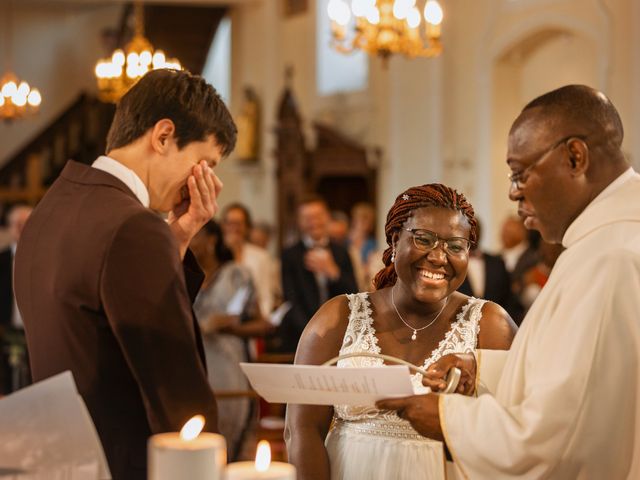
(263, 456)
(192, 428)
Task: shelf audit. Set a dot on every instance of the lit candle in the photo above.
(188, 454)
(262, 469)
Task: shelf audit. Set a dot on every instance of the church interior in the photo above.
(427, 119)
(316, 115)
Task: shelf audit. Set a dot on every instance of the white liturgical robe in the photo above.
(567, 405)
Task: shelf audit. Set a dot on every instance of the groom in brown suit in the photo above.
(105, 284)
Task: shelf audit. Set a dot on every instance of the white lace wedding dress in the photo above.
(369, 444)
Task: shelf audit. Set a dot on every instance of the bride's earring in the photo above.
(393, 255)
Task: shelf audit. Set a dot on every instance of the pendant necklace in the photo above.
(415, 330)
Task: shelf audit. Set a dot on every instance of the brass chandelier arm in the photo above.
(117, 74)
(386, 27)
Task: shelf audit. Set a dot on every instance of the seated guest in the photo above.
(236, 226)
(260, 235)
(339, 227)
(363, 217)
(228, 312)
(313, 270)
(519, 247)
(14, 364)
(362, 243)
(414, 314)
(536, 277)
(488, 278)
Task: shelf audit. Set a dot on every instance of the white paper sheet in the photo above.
(315, 385)
(275, 317)
(46, 433)
(238, 301)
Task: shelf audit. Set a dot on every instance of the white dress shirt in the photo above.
(125, 175)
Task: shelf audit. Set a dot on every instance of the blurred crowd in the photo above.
(255, 303)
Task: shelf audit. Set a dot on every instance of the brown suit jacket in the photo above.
(103, 293)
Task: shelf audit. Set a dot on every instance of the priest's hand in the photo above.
(197, 208)
(466, 362)
(420, 410)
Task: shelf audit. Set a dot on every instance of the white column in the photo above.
(635, 87)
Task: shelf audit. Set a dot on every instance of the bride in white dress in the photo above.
(414, 314)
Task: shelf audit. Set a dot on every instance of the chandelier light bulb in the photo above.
(341, 12)
(132, 59)
(159, 59)
(413, 18)
(145, 57)
(118, 58)
(433, 12)
(332, 9)
(23, 89)
(9, 89)
(360, 7)
(373, 15)
(99, 70)
(401, 8)
(34, 99)
(117, 74)
(19, 100)
(132, 71)
(1, 100)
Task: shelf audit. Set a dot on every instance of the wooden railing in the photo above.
(78, 133)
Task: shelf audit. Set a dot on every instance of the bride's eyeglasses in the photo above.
(427, 240)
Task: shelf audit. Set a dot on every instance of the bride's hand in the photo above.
(437, 373)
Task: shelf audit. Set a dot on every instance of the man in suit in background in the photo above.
(313, 270)
(14, 366)
(488, 278)
(105, 284)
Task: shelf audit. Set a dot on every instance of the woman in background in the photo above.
(228, 313)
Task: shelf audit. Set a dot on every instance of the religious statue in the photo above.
(247, 121)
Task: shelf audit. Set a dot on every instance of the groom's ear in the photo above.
(163, 136)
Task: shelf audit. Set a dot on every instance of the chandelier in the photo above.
(385, 27)
(116, 75)
(17, 99)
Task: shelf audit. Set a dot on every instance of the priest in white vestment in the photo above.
(566, 405)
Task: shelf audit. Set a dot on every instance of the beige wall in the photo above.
(435, 120)
(447, 119)
(55, 49)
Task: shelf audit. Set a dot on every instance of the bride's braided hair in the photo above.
(431, 195)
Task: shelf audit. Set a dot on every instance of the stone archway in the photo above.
(529, 58)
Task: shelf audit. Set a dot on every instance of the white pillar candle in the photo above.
(174, 457)
(262, 469)
(247, 471)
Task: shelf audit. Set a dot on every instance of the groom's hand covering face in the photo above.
(198, 206)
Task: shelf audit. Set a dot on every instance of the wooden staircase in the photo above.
(79, 133)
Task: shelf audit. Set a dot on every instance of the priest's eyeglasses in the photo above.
(518, 179)
(426, 240)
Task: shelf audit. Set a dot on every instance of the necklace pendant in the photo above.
(415, 335)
